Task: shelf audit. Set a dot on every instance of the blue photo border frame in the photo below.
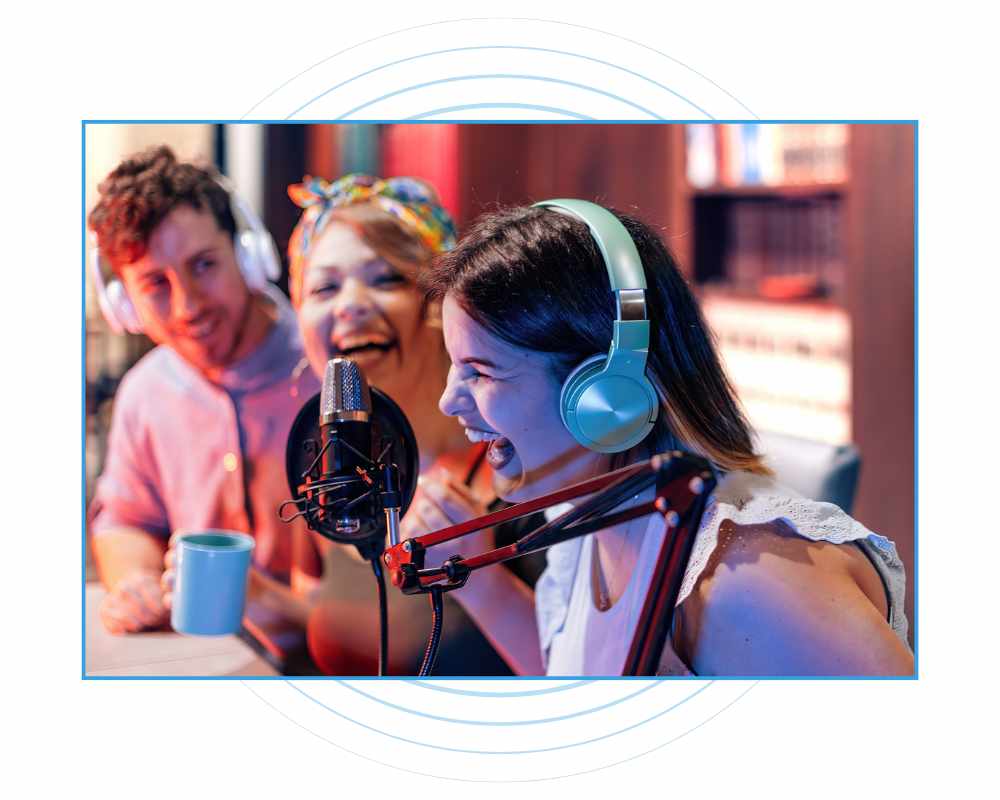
(752, 121)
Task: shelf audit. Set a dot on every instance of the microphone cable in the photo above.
(437, 605)
(430, 654)
(383, 618)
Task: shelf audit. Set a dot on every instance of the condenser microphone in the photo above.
(346, 447)
(351, 461)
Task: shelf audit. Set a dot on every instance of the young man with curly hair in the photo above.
(200, 423)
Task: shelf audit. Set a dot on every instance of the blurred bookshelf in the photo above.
(800, 242)
(766, 204)
(790, 363)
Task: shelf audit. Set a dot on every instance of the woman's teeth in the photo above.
(476, 435)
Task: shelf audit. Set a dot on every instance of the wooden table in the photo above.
(163, 653)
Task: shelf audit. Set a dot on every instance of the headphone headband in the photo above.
(251, 223)
(620, 255)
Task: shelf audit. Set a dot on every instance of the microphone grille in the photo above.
(345, 392)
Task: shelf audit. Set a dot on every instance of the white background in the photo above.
(215, 60)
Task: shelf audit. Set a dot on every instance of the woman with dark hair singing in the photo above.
(776, 584)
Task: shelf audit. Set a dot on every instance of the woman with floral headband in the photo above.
(355, 255)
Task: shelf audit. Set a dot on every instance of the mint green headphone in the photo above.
(607, 403)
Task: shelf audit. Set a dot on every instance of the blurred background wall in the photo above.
(799, 240)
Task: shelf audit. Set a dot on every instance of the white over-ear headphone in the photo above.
(256, 256)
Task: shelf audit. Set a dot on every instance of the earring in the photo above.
(296, 374)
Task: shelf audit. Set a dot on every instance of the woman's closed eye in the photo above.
(473, 375)
(325, 288)
(389, 280)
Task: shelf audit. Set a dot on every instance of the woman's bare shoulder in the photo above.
(771, 602)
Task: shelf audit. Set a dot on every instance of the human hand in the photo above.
(439, 503)
(169, 576)
(134, 604)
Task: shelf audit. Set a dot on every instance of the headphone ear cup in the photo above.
(248, 259)
(257, 258)
(605, 412)
(571, 386)
(256, 252)
(121, 307)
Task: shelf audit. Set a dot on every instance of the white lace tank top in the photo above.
(577, 639)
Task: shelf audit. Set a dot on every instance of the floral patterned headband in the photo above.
(409, 200)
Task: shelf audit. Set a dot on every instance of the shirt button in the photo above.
(230, 462)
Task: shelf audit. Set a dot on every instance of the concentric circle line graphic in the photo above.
(505, 752)
(499, 695)
(524, 106)
(474, 780)
(498, 723)
(669, 741)
(488, 76)
(499, 19)
(500, 47)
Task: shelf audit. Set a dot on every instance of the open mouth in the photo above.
(362, 349)
(201, 329)
(476, 435)
(500, 452)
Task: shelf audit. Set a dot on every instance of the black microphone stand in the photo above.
(382, 479)
(683, 483)
(361, 497)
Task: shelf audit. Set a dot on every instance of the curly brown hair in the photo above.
(141, 191)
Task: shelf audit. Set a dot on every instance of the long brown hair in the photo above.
(534, 278)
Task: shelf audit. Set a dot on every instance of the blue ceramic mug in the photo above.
(210, 585)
